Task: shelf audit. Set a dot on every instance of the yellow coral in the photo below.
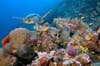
(77, 47)
(87, 37)
(83, 49)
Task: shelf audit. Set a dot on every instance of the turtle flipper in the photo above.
(19, 18)
(46, 14)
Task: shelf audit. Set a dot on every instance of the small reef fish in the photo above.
(45, 28)
(82, 17)
(90, 23)
(41, 28)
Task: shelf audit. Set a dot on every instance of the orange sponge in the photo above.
(5, 40)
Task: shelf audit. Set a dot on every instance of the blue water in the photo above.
(21, 8)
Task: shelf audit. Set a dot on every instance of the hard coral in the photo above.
(18, 38)
(4, 61)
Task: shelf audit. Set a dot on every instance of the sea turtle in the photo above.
(33, 18)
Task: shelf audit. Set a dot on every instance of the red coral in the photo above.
(44, 62)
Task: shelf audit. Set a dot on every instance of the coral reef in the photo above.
(87, 10)
(53, 45)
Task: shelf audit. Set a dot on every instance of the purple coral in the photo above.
(71, 51)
